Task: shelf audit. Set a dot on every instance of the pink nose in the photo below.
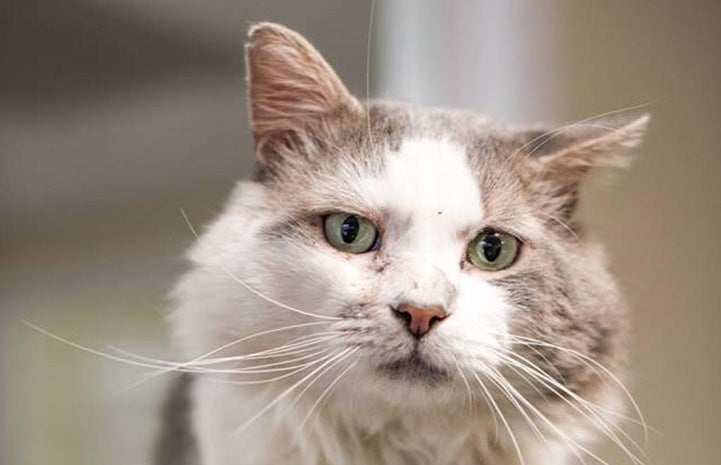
(419, 320)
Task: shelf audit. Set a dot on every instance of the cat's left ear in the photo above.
(561, 158)
(292, 92)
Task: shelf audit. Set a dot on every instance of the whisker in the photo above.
(514, 441)
(493, 415)
(468, 386)
(324, 394)
(248, 371)
(268, 380)
(306, 343)
(318, 376)
(90, 350)
(586, 121)
(369, 48)
(203, 359)
(292, 360)
(586, 408)
(270, 367)
(560, 222)
(199, 369)
(286, 392)
(569, 442)
(196, 369)
(501, 383)
(539, 372)
(465, 380)
(523, 377)
(530, 341)
(263, 381)
(556, 429)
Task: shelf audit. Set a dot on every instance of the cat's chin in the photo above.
(414, 368)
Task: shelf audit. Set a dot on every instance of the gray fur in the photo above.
(176, 443)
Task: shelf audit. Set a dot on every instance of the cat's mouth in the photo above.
(415, 367)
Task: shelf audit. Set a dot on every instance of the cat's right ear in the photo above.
(560, 159)
(292, 91)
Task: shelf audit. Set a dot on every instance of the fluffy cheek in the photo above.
(312, 277)
(477, 330)
(217, 307)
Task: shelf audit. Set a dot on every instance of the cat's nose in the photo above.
(419, 320)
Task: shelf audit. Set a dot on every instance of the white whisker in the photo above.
(530, 341)
(324, 394)
(369, 48)
(465, 380)
(267, 380)
(584, 122)
(556, 429)
(286, 392)
(168, 366)
(584, 407)
(318, 376)
(89, 349)
(501, 383)
(304, 344)
(514, 441)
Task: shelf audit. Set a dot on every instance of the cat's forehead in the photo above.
(426, 179)
(403, 163)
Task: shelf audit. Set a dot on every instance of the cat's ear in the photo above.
(561, 158)
(291, 89)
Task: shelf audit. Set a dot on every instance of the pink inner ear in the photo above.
(559, 159)
(573, 149)
(289, 82)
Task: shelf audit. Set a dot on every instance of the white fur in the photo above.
(433, 208)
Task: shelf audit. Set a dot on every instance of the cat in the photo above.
(397, 285)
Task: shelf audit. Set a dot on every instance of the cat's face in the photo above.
(408, 298)
(426, 249)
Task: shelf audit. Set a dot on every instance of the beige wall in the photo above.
(662, 219)
(113, 115)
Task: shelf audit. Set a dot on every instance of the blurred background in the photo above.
(114, 114)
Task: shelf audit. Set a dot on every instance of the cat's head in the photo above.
(430, 250)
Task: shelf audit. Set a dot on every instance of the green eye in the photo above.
(350, 233)
(493, 250)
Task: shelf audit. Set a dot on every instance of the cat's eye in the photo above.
(493, 250)
(350, 233)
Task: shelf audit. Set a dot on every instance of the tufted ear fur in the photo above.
(291, 90)
(561, 158)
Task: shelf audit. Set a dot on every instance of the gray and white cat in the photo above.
(397, 286)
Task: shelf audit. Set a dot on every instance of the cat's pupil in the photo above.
(491, 246)
(349, 229)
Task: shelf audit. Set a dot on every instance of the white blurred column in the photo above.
(501, 57)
